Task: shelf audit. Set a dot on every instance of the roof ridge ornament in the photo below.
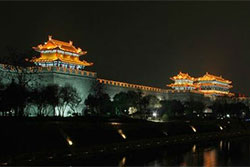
(50, 37)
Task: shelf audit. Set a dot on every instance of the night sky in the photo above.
(140, 42)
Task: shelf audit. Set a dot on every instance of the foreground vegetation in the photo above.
(52, 100)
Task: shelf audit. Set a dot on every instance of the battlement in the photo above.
(55, 69)
(128, 85)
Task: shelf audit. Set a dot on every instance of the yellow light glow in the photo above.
(122, 162)
(221, 144)
(124, 84)
(115, 123)
(64, 47)
(182, 76)
(221, 128)
(183, 85)
(194, 148)
(69, 141)
(210, 158)
(215, 92)
(186, 82)
(122, 134)
(193, 128)
(49, 57)
(209, 77)
(214, 84)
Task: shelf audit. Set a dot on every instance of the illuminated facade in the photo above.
(209, 85)
(214, 85)
(182, 81)
(61, 54)
(59, 64)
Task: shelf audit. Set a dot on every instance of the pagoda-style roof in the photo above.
(60, 45)
(55, 50)
(214, 84)
(68, 60)
(182, 76)
(182, 85)
(210, 77)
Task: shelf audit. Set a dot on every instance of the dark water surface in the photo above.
(231, 152)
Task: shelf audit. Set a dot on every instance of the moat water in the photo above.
(231, 152)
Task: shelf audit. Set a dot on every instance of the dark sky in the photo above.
(141, 42)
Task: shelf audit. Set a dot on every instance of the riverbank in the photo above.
(68, 141)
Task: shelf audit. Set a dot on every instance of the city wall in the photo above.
(83, 82)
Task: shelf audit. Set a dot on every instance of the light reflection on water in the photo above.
(235, 152)
(210, 158)
(122, 163)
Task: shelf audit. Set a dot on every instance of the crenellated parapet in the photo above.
(65, 70)
(135, 86)
(40, 69)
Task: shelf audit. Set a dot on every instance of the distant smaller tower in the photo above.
(214, 85)
(183, 81)
(59, 53)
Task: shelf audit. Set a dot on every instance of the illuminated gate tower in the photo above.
(59, 53)
(60, 64)
(214, 85)
(182, 81)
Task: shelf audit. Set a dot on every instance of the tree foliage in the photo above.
(68, 98)
(124, 100)
(18, 66)
(46, 98)
(222, 108)
(14, 99)
(193, 107)
(98, 102)
(172, 108)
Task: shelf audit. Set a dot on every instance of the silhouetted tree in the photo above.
(172, 108)
(52, 96)
(46, 98)
(15, 98)
(219, 107)
(124, 100)
(122, 103)
(222, 108)
(18, 67)
(151, 102)
(193, 106)
(5, 103)
(98, 102)
(68, 97)
(39, 99)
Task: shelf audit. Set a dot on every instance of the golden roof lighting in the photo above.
(182, 76)
(210, 77)
(183, 81)
(59, 53)
(214, 85)
(56, 44)
(208, 84)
